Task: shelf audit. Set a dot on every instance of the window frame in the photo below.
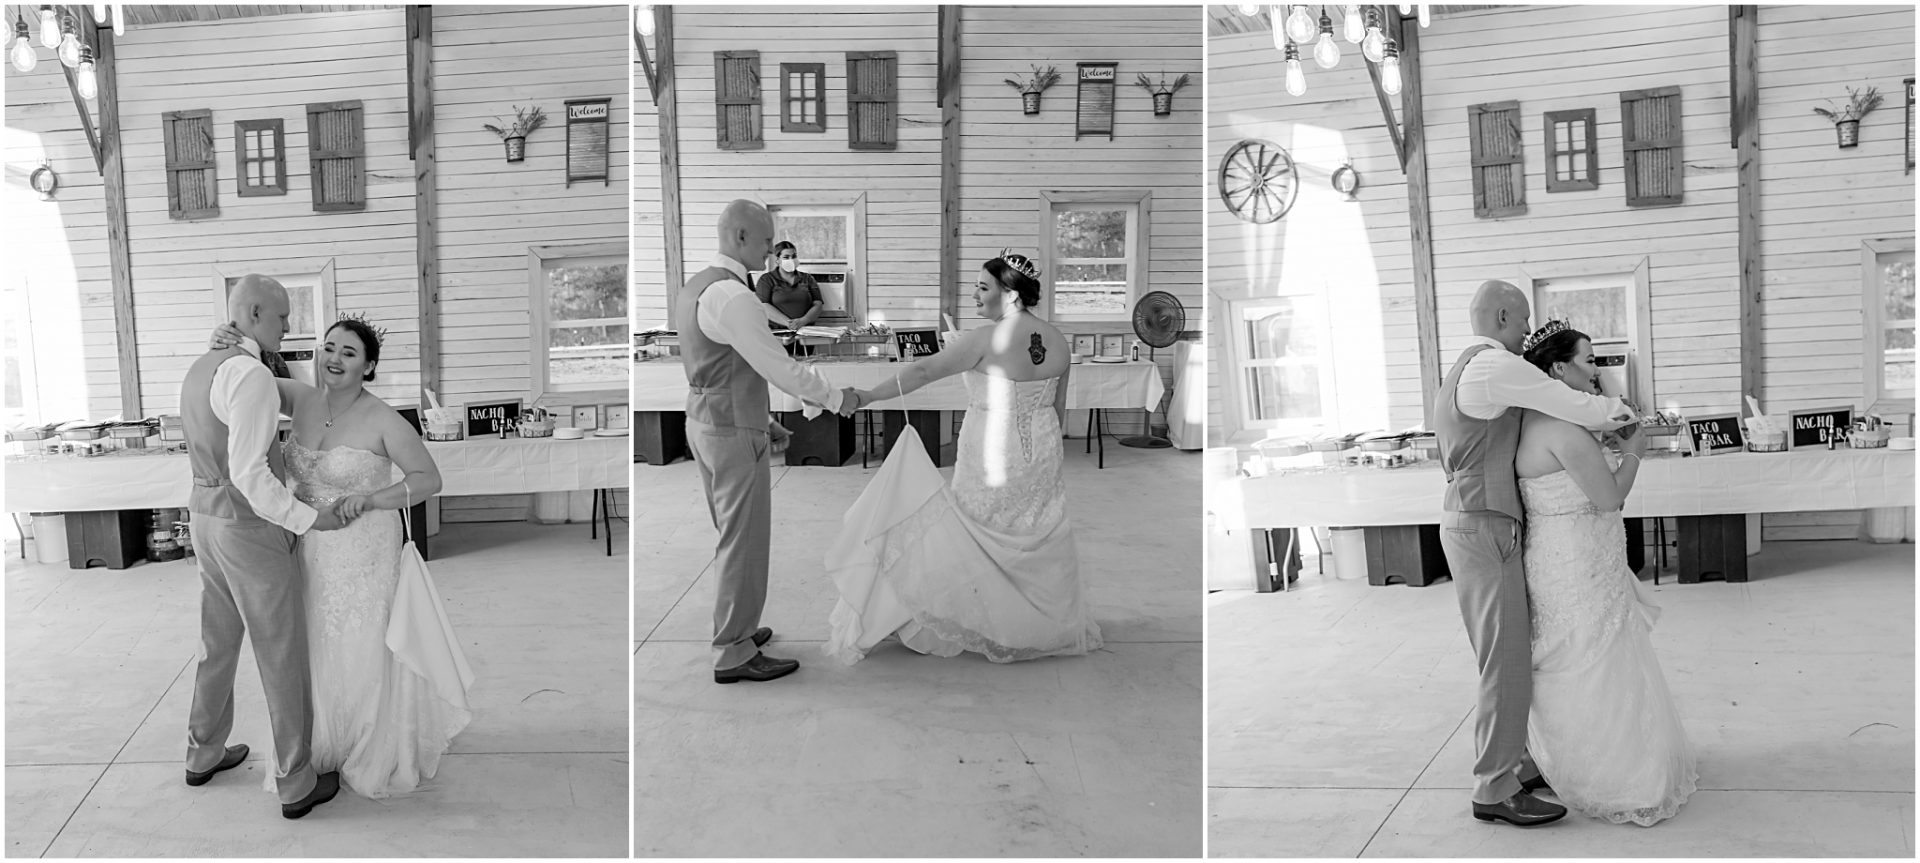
(888, 95)
(753, 101)
(242, 160)
(1632, 144)
(1636, 273)
(1581, 180)
(1243, 363)
(1875, 325)
(539, 259)
(177, 166)
(1139, 203)
(354, 157)
(792, 91)
(320, 271)
(854, 266)
(1478, 160)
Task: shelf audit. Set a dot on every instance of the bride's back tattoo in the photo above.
(1036, 350)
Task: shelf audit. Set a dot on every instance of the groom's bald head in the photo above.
(746, 233)
(258, 305)
(1499, 312)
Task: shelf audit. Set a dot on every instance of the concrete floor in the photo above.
(1340, 718)
(914, 756)
(100, 675)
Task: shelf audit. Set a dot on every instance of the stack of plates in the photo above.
(569, 433)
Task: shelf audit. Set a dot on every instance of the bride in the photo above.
(1603, 728)
(376, 719)
(987, 564)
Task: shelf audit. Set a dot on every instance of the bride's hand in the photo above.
(351, 506)
(225, 336)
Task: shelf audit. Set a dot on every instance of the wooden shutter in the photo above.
(736, 99)
(1572, 166)
(337, 149)
(813, 101)
(192, 188)
(872, 100)
(272, 156)
(1499, 174)
(1650, 142)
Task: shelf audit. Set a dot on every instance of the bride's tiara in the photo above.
(1019, 263)
(379, 333)
(1552, 329)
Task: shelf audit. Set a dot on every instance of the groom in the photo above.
(1481, 530)
(730, 358)
(244, 522)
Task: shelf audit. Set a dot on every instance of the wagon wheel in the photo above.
(1258, 181)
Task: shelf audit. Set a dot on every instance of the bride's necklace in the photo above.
(331, 415)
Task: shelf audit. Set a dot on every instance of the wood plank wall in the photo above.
(902, 187)
(1007, 158)
(261, 68)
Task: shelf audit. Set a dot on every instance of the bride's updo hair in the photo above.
(369, 337)
(1017, 273)
(1553, 344)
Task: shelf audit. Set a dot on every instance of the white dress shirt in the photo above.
(730, 313)
(246, 398)
(1497, 379)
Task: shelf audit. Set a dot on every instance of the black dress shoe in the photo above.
(1520, 810)
(323, 791)
(1537, 783)
(758, 669)
(236, 754)
(762, 635)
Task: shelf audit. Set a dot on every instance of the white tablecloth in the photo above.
(1667, 486)
(155, 479)
(662, 386)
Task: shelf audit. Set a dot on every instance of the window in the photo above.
(1499, 171)
(803, 97)
(825, 239)
(1573, 159)
(1888, 270)
(337, 150)
(1286, 381)
(872, 118)
(1650, 142)
(260, 156)
(1610, 301)
(736, 99)
(1093, 258)
(579, 304)
(310, 307)
(192, 188)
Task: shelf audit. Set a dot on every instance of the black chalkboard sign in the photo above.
(914, 344)
(1095, 114)
(1811, 428)
(587, 135)
(1712, 435)
(488, 419)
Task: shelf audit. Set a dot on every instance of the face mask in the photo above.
(789, 265)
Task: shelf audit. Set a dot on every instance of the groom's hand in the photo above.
(328, 519)
(849, 401)
(777, 434)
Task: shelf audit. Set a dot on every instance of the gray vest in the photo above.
(1476, 454)
(213, 490)
(723, 391)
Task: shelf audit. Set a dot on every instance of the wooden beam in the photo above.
(669, 115)
(80, 106)
(646, 62)
(119, 251)
(1743, 25)
(949, 101)
(426, 240)
(1386, 111)
(1419, 212)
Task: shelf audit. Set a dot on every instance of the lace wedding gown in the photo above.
(376, 719)
(987, 564)
(1603, 728)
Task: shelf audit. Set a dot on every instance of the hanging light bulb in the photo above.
(1326, 53)
(1299, 25)
(1280, 40)
(21, 54)
(647, 23)
(100, 14)
(1250, 9)
(1296, 78)
(1374, 45)
(1390, 71)
(84, 79)
(1426, 15)
(1354, 27)
(1406, 9)
(69, 51)
(120, 20)
(49, 28)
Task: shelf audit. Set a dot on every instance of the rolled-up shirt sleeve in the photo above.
(245, 397)
(731, 315)
(1513, 382)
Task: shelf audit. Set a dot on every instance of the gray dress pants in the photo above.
(1484, 552)
(736, 475)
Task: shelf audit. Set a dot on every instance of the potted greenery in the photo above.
(1031, 90)
(1846, 119)
(1162, 94)
(525, 121)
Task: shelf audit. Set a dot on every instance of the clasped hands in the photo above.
(850, 400)
(342, 512)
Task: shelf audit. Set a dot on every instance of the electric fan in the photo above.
(1157, 320)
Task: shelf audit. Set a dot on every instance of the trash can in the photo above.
(49, 537)
(1349, 552)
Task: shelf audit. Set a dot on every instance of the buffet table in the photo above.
(660, 396)
(158, 479)
(1711, 496)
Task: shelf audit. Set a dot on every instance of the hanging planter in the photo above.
(1846, 118)
(514, 135)
(1031, 89)
(1162, 93)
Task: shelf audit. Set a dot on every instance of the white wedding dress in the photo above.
(1603, 728)
(987, 564)
(383, 720)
